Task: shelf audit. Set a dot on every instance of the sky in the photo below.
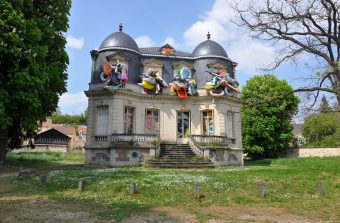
(181, 23)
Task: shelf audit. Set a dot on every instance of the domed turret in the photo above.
(209, 48)
(119, 39)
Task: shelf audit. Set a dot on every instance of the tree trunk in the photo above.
(3, 150)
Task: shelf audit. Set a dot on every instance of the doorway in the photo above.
(183, 126)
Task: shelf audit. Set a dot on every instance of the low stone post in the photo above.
(197, 191)
(261, 190)
(133, 187)
(319, 188)
(81, 185)
(43, 181)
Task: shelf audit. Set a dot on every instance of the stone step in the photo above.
(181, 165)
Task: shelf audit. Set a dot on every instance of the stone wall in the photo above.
(311, 152)
(44, 148)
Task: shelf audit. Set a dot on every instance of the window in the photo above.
(230, 124)
(129, 113)
(102, 120)
(207, 122)
(151, 121)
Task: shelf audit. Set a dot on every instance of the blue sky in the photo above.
(181, 23)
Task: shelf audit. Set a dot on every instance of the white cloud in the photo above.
(249, 53)
(73, 103)
(144, 41)
(170, 40)
(73, 42)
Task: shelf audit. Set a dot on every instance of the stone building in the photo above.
(127, 127)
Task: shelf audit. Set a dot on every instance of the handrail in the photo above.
(195, 146)
(153, 139)
(211, 140)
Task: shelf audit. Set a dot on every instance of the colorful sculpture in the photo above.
(183, 84)
(152, 83)
(114, 76)
(221, 84)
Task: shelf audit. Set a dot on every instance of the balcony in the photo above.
(135, 140)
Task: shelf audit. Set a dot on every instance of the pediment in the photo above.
(218, 64)
(117, 56)
(181, 63)
(153, 63)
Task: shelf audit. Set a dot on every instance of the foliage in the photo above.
(69, 119)
(289, 183)
(266, 124)
(298, 27)
(33, 64)
(324, 105)
(322, 130)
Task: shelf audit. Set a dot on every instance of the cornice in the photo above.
(140, 96)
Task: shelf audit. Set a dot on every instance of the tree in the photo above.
(33, 64)
(322, 130)
(266, 127)
(311, 27)
(324, 105)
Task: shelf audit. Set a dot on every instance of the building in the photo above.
(53, 140)
(128, 127)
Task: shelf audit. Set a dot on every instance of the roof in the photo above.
(155, 51)
(67, 130)
(83, 129)
(47, 123)
(52, 133)
(209, 48)
(120, 40)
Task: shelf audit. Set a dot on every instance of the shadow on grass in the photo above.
(264, 162)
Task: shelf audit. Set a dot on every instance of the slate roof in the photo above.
(119, 39)
(209, 48)
(155, 51)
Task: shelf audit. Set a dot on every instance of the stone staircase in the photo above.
(178, 156)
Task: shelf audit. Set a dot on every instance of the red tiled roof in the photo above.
(67, 130)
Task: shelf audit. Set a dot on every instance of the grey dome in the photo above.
(119, 39)
(209, 48)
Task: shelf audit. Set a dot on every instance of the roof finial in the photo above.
(120, 27)
(208, 35)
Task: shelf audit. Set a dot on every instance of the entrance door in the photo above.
(183, 126)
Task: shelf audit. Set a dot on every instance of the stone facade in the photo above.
(118, 132)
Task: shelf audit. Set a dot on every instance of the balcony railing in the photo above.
(213, 140)
(152, 140)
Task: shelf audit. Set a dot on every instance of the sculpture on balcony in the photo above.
(221, 84)
(114, 76)
(183, 84)
(152, 83)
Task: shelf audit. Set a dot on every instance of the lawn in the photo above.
(226, 192)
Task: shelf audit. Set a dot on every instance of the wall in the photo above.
(311, 152)
(44, 148)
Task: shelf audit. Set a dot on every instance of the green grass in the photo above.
(290, 184)
(40, 159)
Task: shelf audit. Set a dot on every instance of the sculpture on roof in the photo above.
(221, 84)
(167, 50)
(183, 84)
(114, 76)
(152, 83)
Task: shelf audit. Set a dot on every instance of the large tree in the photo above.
(33, 64)
(266, 127)
(298, 26)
